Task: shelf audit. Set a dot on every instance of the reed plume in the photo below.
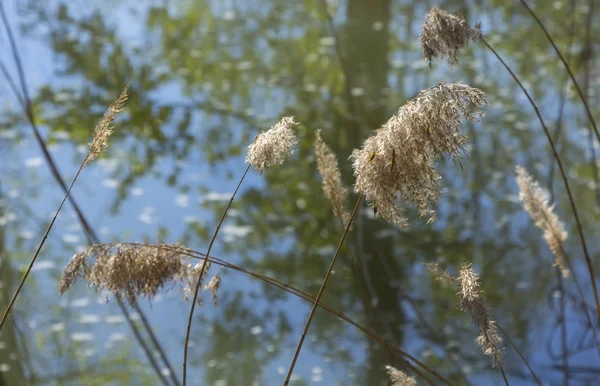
(444, 34)
(103, 129)
(130, 271)
(398, 378)
(535, 201)
(471, 301)
(332, 179)
(399, 159)
(274, 146)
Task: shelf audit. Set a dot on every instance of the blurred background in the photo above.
(206, 76)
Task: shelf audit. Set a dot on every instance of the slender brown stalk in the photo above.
(37, 252)
(199, 282)
(503, 373)
(321, 291)
(399, 352)
(564, 333)
(583, 301)
(584, 247)
(510, 341)
(567, 67)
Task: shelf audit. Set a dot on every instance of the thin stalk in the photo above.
(37, 252)
(586, 254)
(563, 335)
(562, 100)
(402, 354)
(567, 67)
(583, 301)
(503, 373)
(537, 380)
(321, 291)
(199, 282)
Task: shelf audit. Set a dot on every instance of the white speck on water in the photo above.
(378, 26)
(327, 41)
(256, 330)
(57, 327)
(82, 336)
(34, 162)
(89, 319)
(136, 192)
(42, 265)
(182, 200)
(110, 183)
(214, 196)
(4, 367)
(70, 238)
(114, 319)
(80, 302)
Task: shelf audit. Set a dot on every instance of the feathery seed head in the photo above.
(535, 200)
(213, 286)
(398, 378)
(127, 271)
(274, 146)
(399, 159)
(440, 274)
(470, 300)
(332, 180)
(444, 34)
(103, 129)
(77, 268)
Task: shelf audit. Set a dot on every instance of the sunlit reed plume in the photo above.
(440, 274)
(103, 129)
(274, 146)
(213, 286)
(129, 271)
(399, 159)
(535, 201)
(398, 378)
(470, 300)
(332, 180)
(444, 34)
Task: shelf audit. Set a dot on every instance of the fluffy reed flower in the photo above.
(440, 274)
(103, 129)
(129, 271)
(398, 378)
(77, 268)
(470, 300)
(535, 200)
(189, 278)
(274, 146)
(332, 180)
(399, 159)
(213, 286)
(444, 34)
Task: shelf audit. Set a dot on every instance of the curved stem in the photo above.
(567, 67)
(586, 254)
(37, 252)
(399, 352)
(321, 291)
(537, 380)
(199, 282)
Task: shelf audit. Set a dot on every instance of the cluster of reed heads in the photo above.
(396, 164)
